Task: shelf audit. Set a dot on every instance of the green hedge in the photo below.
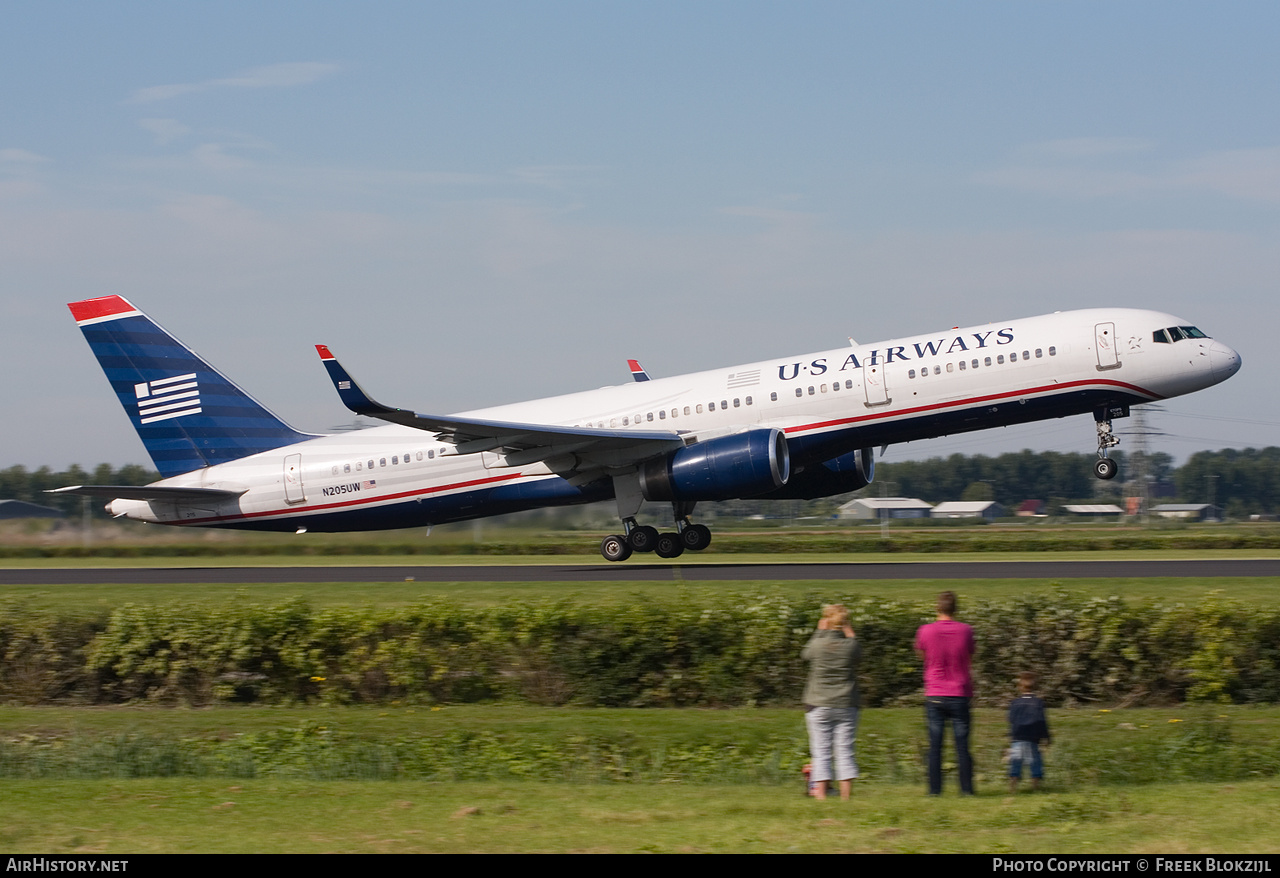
(647, 653)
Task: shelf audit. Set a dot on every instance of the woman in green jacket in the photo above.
(831, 700)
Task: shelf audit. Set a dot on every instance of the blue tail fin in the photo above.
(188, 414)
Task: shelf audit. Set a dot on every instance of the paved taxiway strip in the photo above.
(648, 572)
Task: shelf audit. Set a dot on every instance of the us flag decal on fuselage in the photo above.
(167, 398)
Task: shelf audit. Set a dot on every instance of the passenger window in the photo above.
(371, 464)
(1026, 355)
(395, 460)
(711, 406)
(382, 461)
(1013, 357)
(419, 455)
(662, 415)
(736, 404)
(822, 388)
(648, 416)
(799, 391)
(724, 403)
(986, 361)
(431, 454)
(848, 384)
(962, 365)
(1000, 359)
(358, 466)
(346, 467)
(335, 469)
(911, 373)
(699, 408)
(950, 367)
(1039, 353)
(937, 370)
(1053, 351)
(748, 400)
(686, 411)
(773, 397)
(626, 422)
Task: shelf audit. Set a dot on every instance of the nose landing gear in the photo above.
(1104, 467)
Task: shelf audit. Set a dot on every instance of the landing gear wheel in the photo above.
(696, 537)
(669, 546)
(1105, 468)
(615, 548)
(643, 538)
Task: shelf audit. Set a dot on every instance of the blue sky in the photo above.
(477, 203)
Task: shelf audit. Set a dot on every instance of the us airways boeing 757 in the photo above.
(798, 427)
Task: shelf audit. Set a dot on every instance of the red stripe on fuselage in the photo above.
(974, 400)
(363, 501)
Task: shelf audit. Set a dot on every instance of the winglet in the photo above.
(637, 371)
(351, 394)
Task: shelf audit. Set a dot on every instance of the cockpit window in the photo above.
(1176, 333)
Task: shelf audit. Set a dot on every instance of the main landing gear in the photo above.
(643, 538)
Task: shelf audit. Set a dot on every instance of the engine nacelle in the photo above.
(842, 474)
(726, 468)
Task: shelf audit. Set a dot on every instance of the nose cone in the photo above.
(1223, 360)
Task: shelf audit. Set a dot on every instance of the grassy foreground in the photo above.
(274, 816)
(1086, 807)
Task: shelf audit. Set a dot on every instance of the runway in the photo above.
(718, 572)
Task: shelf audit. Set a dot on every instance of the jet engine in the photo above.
(725, 468)
(842, 474)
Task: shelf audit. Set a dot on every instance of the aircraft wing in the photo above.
(583, 450)
(150, 492)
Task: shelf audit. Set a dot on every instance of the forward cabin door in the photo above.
(1104, 336)
(293, 479)
(873, 382)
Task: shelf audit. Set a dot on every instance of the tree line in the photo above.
(1241, 482)
(19, 483)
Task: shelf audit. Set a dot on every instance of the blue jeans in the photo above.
(832, 729)
(1025, 751)
(938, 710)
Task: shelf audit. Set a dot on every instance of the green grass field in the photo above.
(285, 811)
(481, 594)
(1119, 780)
(281, 816)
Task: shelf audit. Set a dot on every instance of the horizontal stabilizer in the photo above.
(150, 492)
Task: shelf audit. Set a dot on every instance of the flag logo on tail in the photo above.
(167, 398)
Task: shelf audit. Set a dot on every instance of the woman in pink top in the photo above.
(947, 647)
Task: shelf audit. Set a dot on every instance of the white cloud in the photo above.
(284, 75)
(1090, 147)
(165, 130)
(21, 156)
(1249, 174)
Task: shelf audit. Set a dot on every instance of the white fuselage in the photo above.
(826, 403)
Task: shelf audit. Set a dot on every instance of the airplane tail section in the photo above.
(187, 413)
